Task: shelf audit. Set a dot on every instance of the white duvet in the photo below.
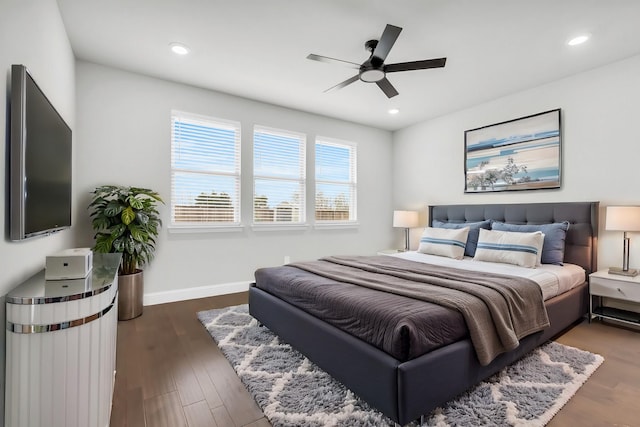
(552, 279)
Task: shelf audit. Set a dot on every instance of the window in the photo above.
(205, 170)
(279, 176)
(335, 181)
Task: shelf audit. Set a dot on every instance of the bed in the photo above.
(405, 388)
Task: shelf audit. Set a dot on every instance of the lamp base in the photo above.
(632, 272)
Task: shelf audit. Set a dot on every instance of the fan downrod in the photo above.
(371, 70)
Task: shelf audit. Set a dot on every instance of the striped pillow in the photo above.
(444, 242)
(554, 238)
(510, 247)
(474, 231)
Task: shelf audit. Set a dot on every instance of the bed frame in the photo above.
(405, 391)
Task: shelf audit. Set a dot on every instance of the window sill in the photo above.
(335, 225)
(186, 229)
(279, 227)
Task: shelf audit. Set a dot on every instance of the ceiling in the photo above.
(257, 48)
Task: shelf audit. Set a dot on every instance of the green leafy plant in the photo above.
(126, 221)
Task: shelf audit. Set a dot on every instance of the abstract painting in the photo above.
(519, 154)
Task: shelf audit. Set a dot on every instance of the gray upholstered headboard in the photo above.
(582, 237)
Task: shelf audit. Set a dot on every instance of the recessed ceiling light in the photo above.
(394, 111)
(578, 40)
(179, 48)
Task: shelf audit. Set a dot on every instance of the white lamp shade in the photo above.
(623, 218)
(405, 219)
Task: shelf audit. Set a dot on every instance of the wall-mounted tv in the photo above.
(40, 168)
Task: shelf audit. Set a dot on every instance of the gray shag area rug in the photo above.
(292, 391)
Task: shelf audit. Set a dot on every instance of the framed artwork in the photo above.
(520, 154)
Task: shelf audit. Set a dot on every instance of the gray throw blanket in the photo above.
(498, 309)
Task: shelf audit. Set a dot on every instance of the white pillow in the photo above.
(444, 242)
(509, 247)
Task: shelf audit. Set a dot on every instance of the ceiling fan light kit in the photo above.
(374, 70)
(372, 75)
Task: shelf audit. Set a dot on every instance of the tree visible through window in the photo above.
(279, 176)
(205, 170)
(336, 183)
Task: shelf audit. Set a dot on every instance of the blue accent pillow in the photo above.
(474, 232)
(554, 238)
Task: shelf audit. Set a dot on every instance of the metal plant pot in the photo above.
(130, 292)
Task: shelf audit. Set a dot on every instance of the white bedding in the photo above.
(552, 279)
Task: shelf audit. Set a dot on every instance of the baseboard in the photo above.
(192, 293)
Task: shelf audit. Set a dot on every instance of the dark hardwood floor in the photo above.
(171, 373)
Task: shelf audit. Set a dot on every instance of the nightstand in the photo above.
(389, 251)
(623, 289)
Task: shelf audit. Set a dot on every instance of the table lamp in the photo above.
(406, 220)
(623, 218)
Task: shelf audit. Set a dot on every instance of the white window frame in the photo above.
(352, 183)
(204, 226)
(276, 224)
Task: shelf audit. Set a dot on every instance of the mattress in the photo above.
(552, 279)
(403, 327)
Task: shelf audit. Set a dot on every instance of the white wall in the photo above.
(31, 33)
(601, 149)
(124, 138)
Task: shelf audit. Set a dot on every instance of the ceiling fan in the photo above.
(374, 70)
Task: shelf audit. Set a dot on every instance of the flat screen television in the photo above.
(40, 168)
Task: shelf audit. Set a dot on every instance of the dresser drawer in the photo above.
(614, 289)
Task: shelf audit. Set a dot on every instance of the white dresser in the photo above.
(61, 349)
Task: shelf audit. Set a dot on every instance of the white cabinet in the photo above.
(61, 349)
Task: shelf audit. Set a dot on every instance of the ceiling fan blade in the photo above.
(387, 88)
(344, 83)
(388, 38)
(415, 65)
(326, 59)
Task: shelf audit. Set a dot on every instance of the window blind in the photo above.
(205, 170)
(336, 181)
(279, 176)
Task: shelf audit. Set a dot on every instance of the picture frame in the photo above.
(519, 154)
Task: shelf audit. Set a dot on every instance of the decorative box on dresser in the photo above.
(61, 349)
(624, 295)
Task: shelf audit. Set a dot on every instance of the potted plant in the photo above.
(126, 221)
